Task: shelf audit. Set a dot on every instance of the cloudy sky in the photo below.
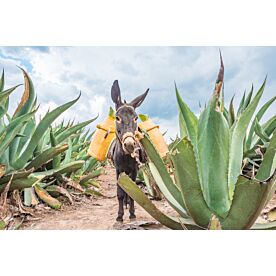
(59, 73)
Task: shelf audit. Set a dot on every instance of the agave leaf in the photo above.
(83, 137)
(27, 134)
(185, 165)
(3, 224)
(2, 81)
(248, 99)
(146, 179)
(258, 118)
(45, 156)
(54, 189)
(111, 112)
(213, 153)
(163, 188)
(162, 171)
(5, 94)
(26, 105)
(90, 136)
(134, 192)
(260, 132)
(67, 168)
(76, 138)
(268, 127)
(28, 98)
(189, 119)
(58, 130)
(182, 125)
(238, 132)
(57, 158)
(45, 197)
(264, 226)
(39, 132)
(142, 117)
(249, 199)
(16, 175)
(268, 165)
(43, 143)
(231, 112)
(30, 198)
(82, 155)
(4, 159)
(92, 192)
(91, 175)
(78, 147)
(3, 111)
(22, 183)
(94, 183)
(226, 115)
(12, 129)
(68, 153)
(90, 164)
(241, 105)
(72, 130)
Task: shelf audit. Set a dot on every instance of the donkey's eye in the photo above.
(118, 119)
(135, 119)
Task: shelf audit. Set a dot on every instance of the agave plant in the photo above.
(35, 155)
(222, 168)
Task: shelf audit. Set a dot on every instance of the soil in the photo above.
(95, 212)
(100, 212)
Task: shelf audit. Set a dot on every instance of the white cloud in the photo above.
(59, 73)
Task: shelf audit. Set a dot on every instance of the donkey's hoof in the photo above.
(120, 218)
(132, 216)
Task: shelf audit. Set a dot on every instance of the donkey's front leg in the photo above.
(120, 196)
(131, 209)
(131, 203)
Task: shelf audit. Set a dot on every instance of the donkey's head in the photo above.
(126, 118)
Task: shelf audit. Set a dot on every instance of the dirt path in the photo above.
(96, 213)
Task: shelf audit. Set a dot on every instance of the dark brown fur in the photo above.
(122, 149)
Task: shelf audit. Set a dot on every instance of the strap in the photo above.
(151, 128)
(110, 130)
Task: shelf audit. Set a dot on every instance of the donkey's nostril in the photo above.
(129, 144)
(129, 147)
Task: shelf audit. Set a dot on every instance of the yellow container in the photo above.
(102, 139)
(155, 136)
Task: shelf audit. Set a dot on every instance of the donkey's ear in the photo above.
(116, 94)
(138, 101)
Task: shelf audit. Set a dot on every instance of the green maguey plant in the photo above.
(223, 167)
(36, 156)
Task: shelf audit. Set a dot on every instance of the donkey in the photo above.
(126, 152)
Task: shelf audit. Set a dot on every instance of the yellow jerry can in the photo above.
(155, 136)
(102, 138)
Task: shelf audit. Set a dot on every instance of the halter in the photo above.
(136, 137)
(117, 136)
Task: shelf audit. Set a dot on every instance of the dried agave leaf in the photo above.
(2, 170)
(91, 192)
(271, 215)
(45, 197)
(53, 189)
(75, 185)
(214, 223)
(18, 202)
(3, 197)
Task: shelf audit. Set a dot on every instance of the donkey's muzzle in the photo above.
(129, 143)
